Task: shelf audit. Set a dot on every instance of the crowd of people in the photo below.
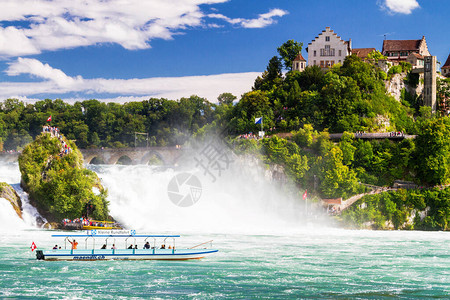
(11, 151)
(248, 136)
(85, 222)
(54, 131)
(396, 133)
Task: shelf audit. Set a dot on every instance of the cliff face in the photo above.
(8, 193)
(396, 84)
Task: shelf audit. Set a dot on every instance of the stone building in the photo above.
(328, 49)
(445, 69)
(416, 60)
(398, 50)
(299, 63)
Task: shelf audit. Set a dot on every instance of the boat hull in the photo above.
(124, 254)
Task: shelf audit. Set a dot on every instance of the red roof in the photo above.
(299, 57)
(401, 45)
(447, 63)
(362, 52)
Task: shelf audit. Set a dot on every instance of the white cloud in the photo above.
(57, 83)
(60, 24)
(38, 69)
(400, 6)
(263, 20)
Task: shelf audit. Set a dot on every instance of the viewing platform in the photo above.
(376, 136)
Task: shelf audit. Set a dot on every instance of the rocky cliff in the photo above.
(8, 193)
(396, 84)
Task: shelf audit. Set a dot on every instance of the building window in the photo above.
(327, 51)
(315, 63)
(321, 64)
(296, 66)
(327, 39)
(339, 61)
(340, 53)
(332, 62)
(314, 52)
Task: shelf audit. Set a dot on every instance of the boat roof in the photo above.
(115, 235)
(112, 233)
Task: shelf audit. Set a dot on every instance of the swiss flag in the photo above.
(33, 247)
(305, 194)
(49, 119)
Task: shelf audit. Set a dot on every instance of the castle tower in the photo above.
(429, 85)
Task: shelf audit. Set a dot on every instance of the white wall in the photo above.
(320, 42)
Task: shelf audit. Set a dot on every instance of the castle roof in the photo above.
(329, 30)
(401, 45)
(447, 63)
(362, 52)
(299, 57)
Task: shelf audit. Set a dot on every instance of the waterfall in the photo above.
(240, 200)
(9, 173)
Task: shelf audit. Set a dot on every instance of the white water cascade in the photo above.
(9, 173)
(241, 200)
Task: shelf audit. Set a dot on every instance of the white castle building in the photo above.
(328, 49)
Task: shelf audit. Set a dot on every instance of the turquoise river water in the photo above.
(325, 264)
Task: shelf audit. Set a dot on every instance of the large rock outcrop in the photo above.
(58, 184)
(7, 192)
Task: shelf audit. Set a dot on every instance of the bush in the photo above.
(395, 70)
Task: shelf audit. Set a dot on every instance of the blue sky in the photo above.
(125, 50)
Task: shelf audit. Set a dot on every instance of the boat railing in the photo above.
(204, 243)
(86, 241)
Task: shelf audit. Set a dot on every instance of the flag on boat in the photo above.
(305, 194)
(49, 119)
(258, 120)
(33, 246)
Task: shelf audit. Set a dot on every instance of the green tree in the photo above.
(226, 98)
(338, 180)
(288, 51)
(348, 150)
(432, 157)
(376, 55)
(271, 76)
(253, 105)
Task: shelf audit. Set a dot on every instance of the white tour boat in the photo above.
(112, 250)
